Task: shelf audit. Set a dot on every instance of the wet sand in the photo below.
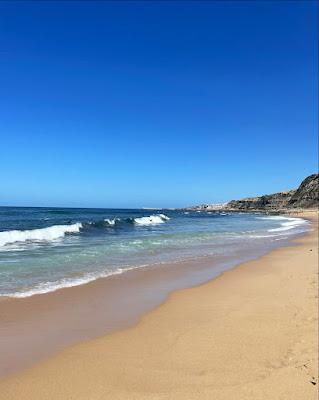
(248, 334)
(34, 328)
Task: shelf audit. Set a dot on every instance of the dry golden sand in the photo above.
(249, 334)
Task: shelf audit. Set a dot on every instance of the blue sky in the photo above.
(132, 104)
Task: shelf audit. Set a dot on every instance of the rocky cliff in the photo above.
(267, 202)
(306, 196)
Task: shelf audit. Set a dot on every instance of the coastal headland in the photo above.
(306, 196)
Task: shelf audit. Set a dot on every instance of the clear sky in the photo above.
(132, 104)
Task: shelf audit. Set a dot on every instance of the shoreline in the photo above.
(171, 310)
(53, 321)
(61, 284)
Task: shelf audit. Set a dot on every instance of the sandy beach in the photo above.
(249, 334)
(159, 203)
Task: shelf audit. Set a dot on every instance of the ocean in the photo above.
(45, 249)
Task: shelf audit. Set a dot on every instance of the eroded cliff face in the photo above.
(267, 202)
(306, 196)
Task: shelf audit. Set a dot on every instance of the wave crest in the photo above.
(58, 231)
(41, 234)
(289, 224)
(286, 223)
(151, 220)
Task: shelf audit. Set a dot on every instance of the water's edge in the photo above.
(42, 259)
(53, 321)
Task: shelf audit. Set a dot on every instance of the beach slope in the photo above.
(249, 334)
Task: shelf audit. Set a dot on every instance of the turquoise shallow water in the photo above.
(44, 249)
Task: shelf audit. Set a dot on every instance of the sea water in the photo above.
(44, 249)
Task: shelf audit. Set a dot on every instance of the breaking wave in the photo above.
(289, 224)
(286, 224)
(42, 234)
(151, 220)
(58, 231)
(148, 220)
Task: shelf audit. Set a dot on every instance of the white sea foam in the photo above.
(286, 224)
(48, 287)
(274, 217)
(151, 220)
(260, 236)
(290, 224)
(164, 217)
(44, 234)
(111, 221)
